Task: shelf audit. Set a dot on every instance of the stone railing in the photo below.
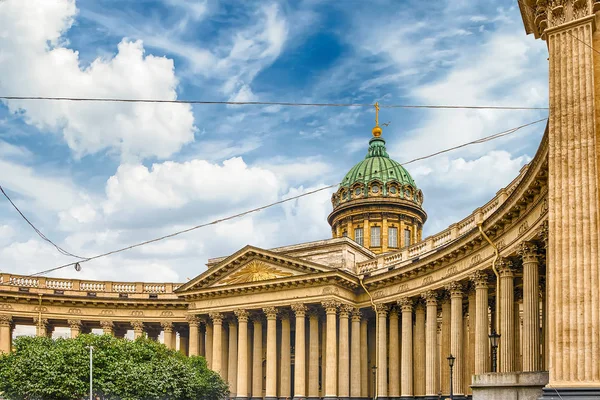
(439, 240)
(76, 285)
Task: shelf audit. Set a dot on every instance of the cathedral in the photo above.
(503, 304)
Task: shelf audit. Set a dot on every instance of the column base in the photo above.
(299, 398)
(570, 393)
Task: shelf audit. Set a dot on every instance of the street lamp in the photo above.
(374, 368)
(91, 369)
(494, 338)
(451, 359)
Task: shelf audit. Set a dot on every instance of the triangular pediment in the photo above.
(252, 265)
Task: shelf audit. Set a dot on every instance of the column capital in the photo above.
(5, 320)
(543, 233)
(270, 312)
(541, 16)
(313, 312)
(138, 326)
(167, 326)
(74, 323)
(216, 317)
(330, 306)
(345, 310)
(430, 297)
(356, 314)
(242, 315)
(382, 309)
(505, 268)
(406, 304)
(193, 320)
(480, 279)
(299, 309)
(455, 289)
(44, 321)
(528, 252)
(257, 317)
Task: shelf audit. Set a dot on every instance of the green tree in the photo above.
(46, 369)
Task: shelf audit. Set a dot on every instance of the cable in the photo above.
(44, 237)
(265, 103)
(217, 221)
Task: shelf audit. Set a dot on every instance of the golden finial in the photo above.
(377, 129)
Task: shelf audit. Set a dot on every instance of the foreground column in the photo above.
(138, 329)
(271, 381)
(407, 390)
(5, 333)
(300, 353)
(355, 360)
(456, 335)
(364, 357)
(431, 345)
(531, 307)
(217, 337)
(232, 362)
(168, 333)
(209, 343)
(344, 353)
(382, 387)
(257, 358)
(331, 359)
(419, 353)
(107, 327)
(242, 351)
(285, 384)
(194, 324)
(506, 351)
(75, 326)
(445, 350)
(313, 355)
(394, 355)
(481, 345)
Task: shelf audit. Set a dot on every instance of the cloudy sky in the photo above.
(96, 177)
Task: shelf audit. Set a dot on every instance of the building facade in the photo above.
(375, 311)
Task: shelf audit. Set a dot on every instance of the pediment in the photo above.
(252, 265)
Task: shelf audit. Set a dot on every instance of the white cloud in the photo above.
(30, 66)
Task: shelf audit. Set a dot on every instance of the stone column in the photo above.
(271, 383)
(419, 351)
(232, 362)
(300, 352)
(355, 359)
(168, 333)
(470, 357)
(285, 384)
(481, 343)
(107, 327)
(257, 358)
(531, 307)
(506, 351)
(364, 357)
(201, 337)
(313, 355)
(209, 343)
(138, 329)
(194, 339)
(431, 345)
(75, 326)
(456, 335)
(217, 337)
(394, 355)
(344, 353)
(382, 387)
(41, 327)
(184, 339)
(518, 325)
(5, 333)
(331, 356)
(242, 351)
(445, 348)
(406, 306)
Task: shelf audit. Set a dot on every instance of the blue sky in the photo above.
(96, 177)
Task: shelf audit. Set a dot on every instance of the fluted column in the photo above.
(355, 360)
(445, 348)
(299, 310)
(138, 329)
(201, 337)
(481, 345)
(107, 327)
(394, 355)
(431, 344)
(209, 342)
(242, 354)
(257, 358)
(41, 327)
(456, 335)
(406, 306)
(382, 366)
(75, 326)
(531, 307)
(217, 337)
(233, 360)
(344, 352)
(194, 338)
(419, 353)
(271, 383)
(167, 333)
(285, 384)
(506, 351)
(5, 333)
(313, 354)
(331, 357)
(364, 357)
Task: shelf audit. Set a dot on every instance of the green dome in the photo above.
(378, 166)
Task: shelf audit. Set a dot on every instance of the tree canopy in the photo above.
(58, 369)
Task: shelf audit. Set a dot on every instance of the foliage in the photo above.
(45, 369)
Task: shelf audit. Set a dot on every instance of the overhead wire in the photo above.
(257, 209)
(265, 103)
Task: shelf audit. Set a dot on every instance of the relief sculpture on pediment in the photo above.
(255, 271)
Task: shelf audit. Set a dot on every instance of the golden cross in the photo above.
(376, 113)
